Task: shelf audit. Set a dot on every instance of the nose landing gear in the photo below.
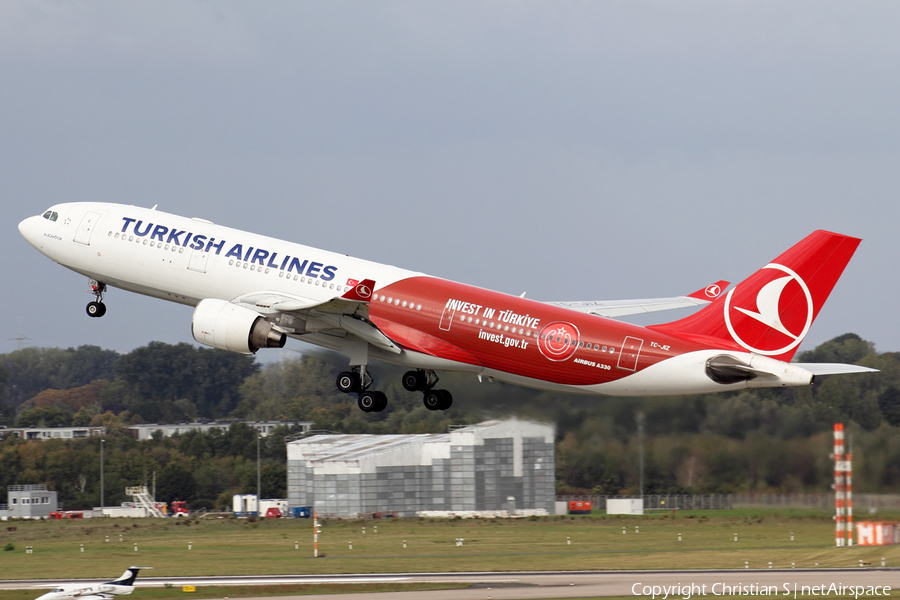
(96, 308)
(424, 381)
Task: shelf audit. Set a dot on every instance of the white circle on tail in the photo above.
(767, 313)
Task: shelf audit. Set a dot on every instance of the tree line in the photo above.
(752, 440)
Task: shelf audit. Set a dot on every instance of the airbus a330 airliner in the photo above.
(252, 292)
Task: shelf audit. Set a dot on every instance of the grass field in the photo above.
(240, 547)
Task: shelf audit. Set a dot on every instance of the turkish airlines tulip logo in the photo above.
(713, 291)
(363, 291)
(558, 341)
(771, 313)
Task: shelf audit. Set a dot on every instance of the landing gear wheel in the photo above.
(432, 400)
(382, 401)
(348, 382)
(414, 381)
(369, 401)
(437, 400)
(96, 309)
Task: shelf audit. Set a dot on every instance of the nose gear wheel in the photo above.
(96, 308)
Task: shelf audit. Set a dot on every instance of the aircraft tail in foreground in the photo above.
(770, 312)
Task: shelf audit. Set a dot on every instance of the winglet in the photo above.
(361, 292)
(710, 292)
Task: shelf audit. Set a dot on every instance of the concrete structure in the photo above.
(127, 509)
(624, 506)
(30, 501)
(474, 468)
(145, 431)
(51, 433)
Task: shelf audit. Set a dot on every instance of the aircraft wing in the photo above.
(297, 315)
(621, 308)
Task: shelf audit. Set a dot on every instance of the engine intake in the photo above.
(227, 326)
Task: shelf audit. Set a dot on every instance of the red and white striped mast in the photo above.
(315, 535)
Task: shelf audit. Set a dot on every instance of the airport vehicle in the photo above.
(250, 292)
(97, 591)
(179, 508)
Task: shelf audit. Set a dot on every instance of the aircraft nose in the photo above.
(29, 230)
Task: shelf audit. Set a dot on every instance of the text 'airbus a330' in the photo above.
(252, 292)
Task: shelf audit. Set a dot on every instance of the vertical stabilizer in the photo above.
(770, 312)
(128, 576)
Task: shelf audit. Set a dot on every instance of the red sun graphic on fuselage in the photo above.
(558, 341)
(770, 312)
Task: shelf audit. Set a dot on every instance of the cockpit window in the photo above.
(51, 215)
(47, 214)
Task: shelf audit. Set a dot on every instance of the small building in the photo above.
(52, 433)
(145, 431)
(30, 501)
(474, 468)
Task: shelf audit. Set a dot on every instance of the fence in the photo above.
(862, 503)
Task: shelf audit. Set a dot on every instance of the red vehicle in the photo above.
(179, 508)
(579, 507)
(273, 513)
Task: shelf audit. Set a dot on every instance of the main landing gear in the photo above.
(424, 381)
(358, 381)
(96, 308)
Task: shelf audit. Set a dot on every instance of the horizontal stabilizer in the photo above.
(833, 368)
(623, 308)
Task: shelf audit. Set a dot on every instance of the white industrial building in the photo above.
(474, 468)
(145, 431)
(52, 433)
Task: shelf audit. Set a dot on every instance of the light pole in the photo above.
(102, 441)
(640, 425)
(258, 471)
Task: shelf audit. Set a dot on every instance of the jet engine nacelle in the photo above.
(758, 371)
(221, 324)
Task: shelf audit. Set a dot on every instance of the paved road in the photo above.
(500, 586)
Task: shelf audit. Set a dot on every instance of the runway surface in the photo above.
(530, 585)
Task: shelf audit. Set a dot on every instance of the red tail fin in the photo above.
(771, 311)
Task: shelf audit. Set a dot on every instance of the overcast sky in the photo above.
(570, 150)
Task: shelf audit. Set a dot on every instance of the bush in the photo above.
(9, 547)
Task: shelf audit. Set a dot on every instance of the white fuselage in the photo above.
(188, 260)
